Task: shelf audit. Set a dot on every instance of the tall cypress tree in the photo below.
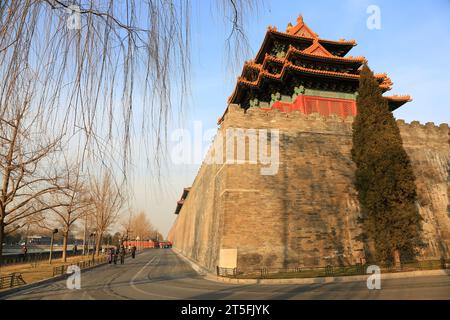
(384, 177)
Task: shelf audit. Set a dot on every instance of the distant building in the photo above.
(38, 240)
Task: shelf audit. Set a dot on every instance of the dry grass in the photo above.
(33, 272)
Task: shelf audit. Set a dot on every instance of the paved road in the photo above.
(161, 274)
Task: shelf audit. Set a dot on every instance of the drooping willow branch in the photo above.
(127, 65)
(83, 91)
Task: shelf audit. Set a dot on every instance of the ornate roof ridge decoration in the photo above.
(288, 65)
(381, 75)
(268, 58)
(274, 30)
(252, 64)
(293, 49)
(386, 82)
(317, 49)
(344, 45)
(300, 57)
(301, 29)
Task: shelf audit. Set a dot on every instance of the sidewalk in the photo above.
(42, 274)
(398, 275)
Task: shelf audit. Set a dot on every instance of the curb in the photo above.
(319, 280)
(41, 283)
(199, 269)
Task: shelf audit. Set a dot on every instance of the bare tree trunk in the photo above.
(397, 260)
(2, 236)
(66, 237)
(99, 243)
(84, 237)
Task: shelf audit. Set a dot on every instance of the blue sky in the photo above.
(412, 46)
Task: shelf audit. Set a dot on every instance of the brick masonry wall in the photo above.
(197, 229)
(428, 148)
(305, 215)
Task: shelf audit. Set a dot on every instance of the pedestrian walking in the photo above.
(75, 250)
(116, 253)
(122, 254)
(110, 255)
(133, 252)
(24, 252)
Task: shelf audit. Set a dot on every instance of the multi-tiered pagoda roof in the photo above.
(297, 70)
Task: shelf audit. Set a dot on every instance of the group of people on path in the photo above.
(120, 252)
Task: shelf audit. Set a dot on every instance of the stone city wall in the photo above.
(306, 213)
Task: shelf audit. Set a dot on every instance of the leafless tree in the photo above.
(58, 79)
(138, 225)
(74, 199)
(126, 225)
(25, 155)
(142, 226)
(107, 201)
(157, 235)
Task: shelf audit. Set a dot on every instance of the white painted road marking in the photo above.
(148, 264)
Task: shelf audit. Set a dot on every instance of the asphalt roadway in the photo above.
(161, 274)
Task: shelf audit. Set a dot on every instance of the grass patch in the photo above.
(37, 271)
(331, 272)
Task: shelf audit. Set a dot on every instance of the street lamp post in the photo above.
(88, 245)
(54, 231)
(84, 237)
(92, 235)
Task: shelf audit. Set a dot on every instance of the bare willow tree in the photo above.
(107, 201)
(94, 59)
(74, 199)
(79, 67)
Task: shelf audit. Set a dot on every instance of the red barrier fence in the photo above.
(146, 244)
